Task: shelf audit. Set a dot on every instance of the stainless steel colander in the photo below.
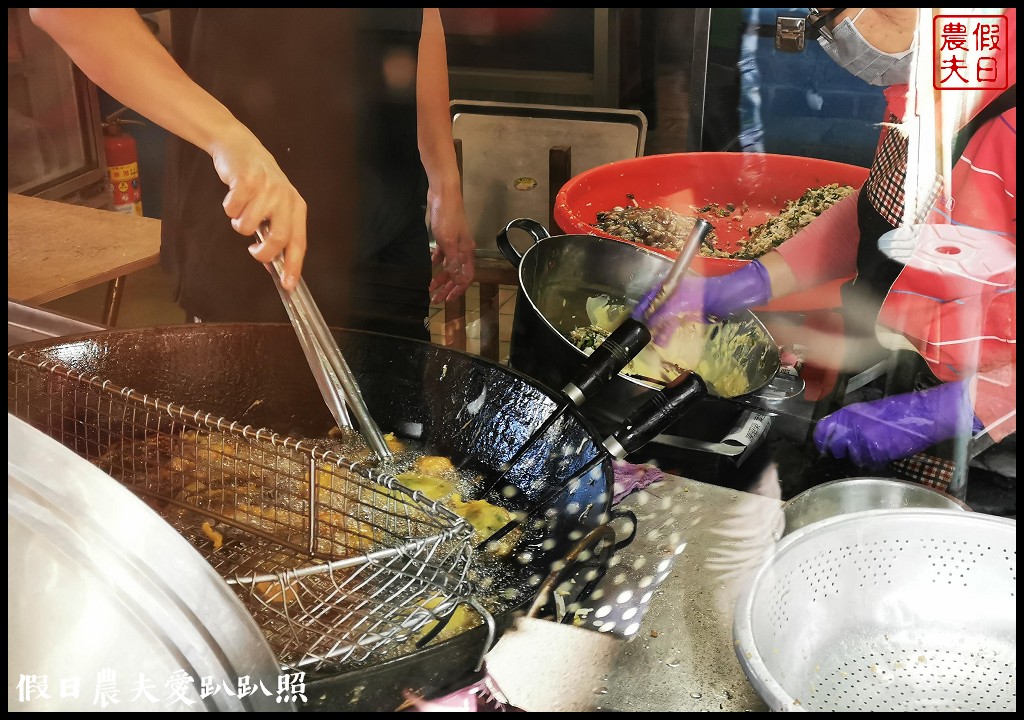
(885, 610)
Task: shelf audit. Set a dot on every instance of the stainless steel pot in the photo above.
(557, 275)
(847, 495)
(101, 591)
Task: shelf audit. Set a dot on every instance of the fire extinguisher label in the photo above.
(125, 188)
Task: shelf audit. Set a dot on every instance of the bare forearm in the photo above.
(824, 250)
(434, 128)
(453, 255)
(116, 50)
(780, 274)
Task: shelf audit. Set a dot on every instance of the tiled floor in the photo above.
(148, 301)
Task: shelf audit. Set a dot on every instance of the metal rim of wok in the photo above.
(459, 405)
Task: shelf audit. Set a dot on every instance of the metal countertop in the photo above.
(28, 323)
(681, 659)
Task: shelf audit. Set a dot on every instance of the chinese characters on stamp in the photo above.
(970, 52)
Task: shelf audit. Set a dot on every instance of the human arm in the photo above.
(874, 433)
(446, 213)
(717, 296)
(116, 50)
(826, 250)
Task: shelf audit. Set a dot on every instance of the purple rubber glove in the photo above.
(719, 296)
(874, 433)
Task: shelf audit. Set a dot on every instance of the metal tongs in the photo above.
(333, 376)
(698, 236)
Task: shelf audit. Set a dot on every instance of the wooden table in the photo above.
(55, 249)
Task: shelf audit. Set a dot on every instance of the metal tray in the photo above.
(505, 151)
(28, 323)
(103, 591)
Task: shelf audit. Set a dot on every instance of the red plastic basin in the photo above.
(682, 181)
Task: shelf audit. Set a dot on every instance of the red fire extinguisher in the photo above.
(122, 164)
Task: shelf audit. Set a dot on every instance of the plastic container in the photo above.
(681, 181)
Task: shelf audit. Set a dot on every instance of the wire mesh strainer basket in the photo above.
(338, 563)
(885, 610)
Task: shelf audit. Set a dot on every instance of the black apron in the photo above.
(311, 85)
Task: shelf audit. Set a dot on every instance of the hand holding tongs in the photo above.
(333, 376)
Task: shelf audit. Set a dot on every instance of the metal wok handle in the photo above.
(537, 231)
(656, 414)
(640, 428)
(630, 517)
(589, 546)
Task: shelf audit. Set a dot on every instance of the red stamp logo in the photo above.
(970, 52)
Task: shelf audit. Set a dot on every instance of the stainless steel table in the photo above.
(695, 548)
(28, 323)
(656, 632)
(658, 627)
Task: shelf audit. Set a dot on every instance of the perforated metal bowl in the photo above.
(885, 610)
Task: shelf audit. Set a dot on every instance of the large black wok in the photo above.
(476, 412)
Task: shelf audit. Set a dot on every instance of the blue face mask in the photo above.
(859, 57)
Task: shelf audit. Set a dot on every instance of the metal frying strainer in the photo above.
(885, 610)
